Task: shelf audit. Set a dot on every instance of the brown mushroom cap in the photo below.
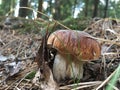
(77, 43)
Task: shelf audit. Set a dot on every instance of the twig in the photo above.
(8, 44)
(104, 66)
(18, 49)
(104, 82)
(23, 78)
(84, 84)
(46, 16)
(107, 40)
(108, 65)
(2, 42)
(11, 84)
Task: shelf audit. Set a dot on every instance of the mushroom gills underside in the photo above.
(67, 68)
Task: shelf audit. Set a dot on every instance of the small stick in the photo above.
(104, 82)
(85, 86)
(23, 78)
(81, 84)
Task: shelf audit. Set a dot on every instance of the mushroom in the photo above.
(73, 49)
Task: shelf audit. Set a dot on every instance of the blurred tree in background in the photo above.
(23, 11)
(106, 7)
(40, 2)
(62, 10)
(95, 10)
(6, 6)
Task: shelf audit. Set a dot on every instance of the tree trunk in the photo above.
(23, 11)
(86, 7)
(39, 7)
(12, 6)
(5, 6)
(57, 10)
(50, 7)
(74, 6)
(96, 3)
(105, 9)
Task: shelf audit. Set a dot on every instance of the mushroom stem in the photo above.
(67, 66)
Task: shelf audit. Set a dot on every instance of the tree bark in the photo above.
(23, 11)
(50, 7)
(57, 13)
(40, 8)
(96, 3)
(105, 9)
(12, 6)
(86, 7)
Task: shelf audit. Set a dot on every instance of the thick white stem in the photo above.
(67, 68)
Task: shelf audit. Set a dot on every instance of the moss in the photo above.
(31, 75)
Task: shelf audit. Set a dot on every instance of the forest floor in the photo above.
(17, 53)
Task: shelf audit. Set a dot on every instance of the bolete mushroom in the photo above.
(73, 49)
